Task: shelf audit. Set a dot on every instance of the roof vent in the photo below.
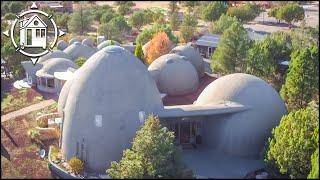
(113, 49)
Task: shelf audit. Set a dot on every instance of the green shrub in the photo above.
(76, 165)
(33, 134)
(292, 143)
(56, 156)
(314, 173)
(42, 122)
(80, 61)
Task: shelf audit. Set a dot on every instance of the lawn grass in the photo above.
(18, 99)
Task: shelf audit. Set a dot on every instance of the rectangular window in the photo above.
(29, 37)
(98, 120)
(50, 83)
(43, 81)
(43, 33)
(37, 33)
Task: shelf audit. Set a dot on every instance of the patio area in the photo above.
(207, 163)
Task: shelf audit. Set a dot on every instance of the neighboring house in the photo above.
(33, 32)
(206, 44)
(59, 6)
(229, 122)
(46, 80)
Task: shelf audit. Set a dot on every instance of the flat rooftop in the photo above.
(189, 98)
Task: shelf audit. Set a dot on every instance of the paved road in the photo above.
(27, 110)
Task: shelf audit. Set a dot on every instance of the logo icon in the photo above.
(33, 28)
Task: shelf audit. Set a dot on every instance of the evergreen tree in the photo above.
(292, 143)
(213, 10)
(80, 21)
(153, 155)
(139, 53)
(302, 81)
(231, 53)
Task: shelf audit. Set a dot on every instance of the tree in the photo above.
(147, 34)
(173, 15)
(62, 20)
(114, 28)
(12, 59)
(80, 21)
(188, 27)
(302, 81)
(80, 61)
(16, 7)
(245, 13)
(97, 11)
(107, 16)
(230, 55)
(213, 10)
(224, 22)
(304, 36)
(264, 56)
(160, 44)
(137, 20)
(153, 155)
(190, 5)
(10, 16)
(292, 143)
(139, 53)
(291, 12)
(125, 7)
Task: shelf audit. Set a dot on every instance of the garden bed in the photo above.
(25, 161)
(18, 99)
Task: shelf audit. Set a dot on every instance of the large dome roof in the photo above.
(101, 105)
(246, 132)
(192, 56)
(77, 50)
(87, 42)
(73, 40)
(61, 45)
(54, 54)
(55, 65)
(174, 75)
(107, 43)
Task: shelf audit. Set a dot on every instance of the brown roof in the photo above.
(189, 98)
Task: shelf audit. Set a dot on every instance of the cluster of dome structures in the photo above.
(106, 100)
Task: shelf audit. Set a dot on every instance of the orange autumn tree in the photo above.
(159, 45)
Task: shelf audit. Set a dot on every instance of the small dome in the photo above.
(174, 75)
(54, 54)
(100, 111)
(87, 42)
(61, 45)
(55, 65)
(192, 56)
(77, 50)
(243, 133)
(73, 40)
(107, 43)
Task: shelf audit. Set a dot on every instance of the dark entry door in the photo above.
(185, 132)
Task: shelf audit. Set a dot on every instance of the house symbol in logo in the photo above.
(33, 32)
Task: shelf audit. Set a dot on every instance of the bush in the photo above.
(56, 156)
(33, 134)
(314, 173)
(292, 143)
(159, 45)
(42, 122)
(76, 165)
(80, 61)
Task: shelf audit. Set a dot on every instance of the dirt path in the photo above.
(27, 110)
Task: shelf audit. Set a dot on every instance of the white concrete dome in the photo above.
(174, 75)
(55, 65)
(192, 55)
(77, 50)
(61, 45)
(107, 43)
(73, 40)
(243, 133)
(101, 106)
(54, 54)
(87, 42)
